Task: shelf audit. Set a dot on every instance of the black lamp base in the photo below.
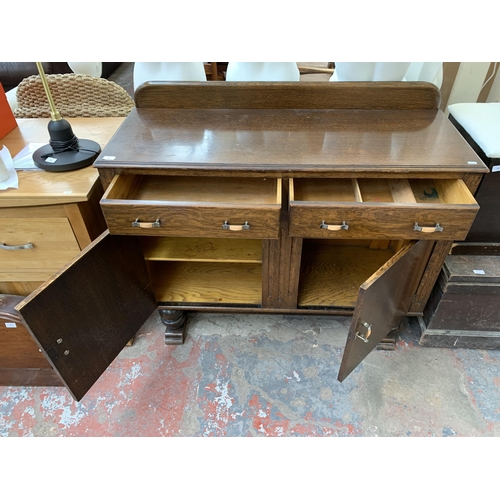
(65, 151)
(84, 155)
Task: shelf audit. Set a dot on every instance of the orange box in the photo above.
(7, 121)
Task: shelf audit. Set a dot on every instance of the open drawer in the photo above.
(441, 209)
(225, 207)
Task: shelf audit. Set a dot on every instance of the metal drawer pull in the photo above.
(146, 225)
(334, 227)
(364, 336)
(232, 227)
(436, 229)
(3, 246)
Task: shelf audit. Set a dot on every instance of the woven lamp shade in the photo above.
(74, 95)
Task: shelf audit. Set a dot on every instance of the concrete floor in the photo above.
(268, 375)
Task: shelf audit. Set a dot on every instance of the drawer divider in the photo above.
(357, 191)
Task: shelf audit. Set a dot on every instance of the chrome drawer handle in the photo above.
(232, 227)
(146, 225)
(3, 246)
(436, 229)
(334, 227)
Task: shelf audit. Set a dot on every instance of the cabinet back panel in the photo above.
(331, 275)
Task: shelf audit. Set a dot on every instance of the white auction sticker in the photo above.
(478, 271)
(10, 325)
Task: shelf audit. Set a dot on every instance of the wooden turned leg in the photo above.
(175, 322)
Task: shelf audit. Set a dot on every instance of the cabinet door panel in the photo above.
(382, 302)
(84, 316)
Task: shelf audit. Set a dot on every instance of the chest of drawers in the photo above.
(303, 198)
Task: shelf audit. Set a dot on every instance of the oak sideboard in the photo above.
(290, 198)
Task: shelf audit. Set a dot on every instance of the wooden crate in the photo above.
(464, 308)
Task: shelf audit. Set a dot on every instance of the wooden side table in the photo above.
(44, 223)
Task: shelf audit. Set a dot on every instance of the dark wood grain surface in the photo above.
(463, 308)
(306, 141)
(382, 222)
(84, 316)
(383, 301)
(479, 269)
(288, 95)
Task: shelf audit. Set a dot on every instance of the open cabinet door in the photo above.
(383, 300)
(83, 316)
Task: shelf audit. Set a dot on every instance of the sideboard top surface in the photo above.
(289, 140)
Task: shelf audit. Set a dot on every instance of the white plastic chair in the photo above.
(262, 72)
(168, 71)
(369, 71)
(425, 72)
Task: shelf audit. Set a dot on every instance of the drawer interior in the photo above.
(206, 271)
(412, 191)
(213, 190)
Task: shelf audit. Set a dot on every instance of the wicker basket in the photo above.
(74, 95)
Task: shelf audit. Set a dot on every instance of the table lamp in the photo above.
(64, 151)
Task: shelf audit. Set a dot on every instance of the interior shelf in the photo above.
(331, 274)
(206, 282)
